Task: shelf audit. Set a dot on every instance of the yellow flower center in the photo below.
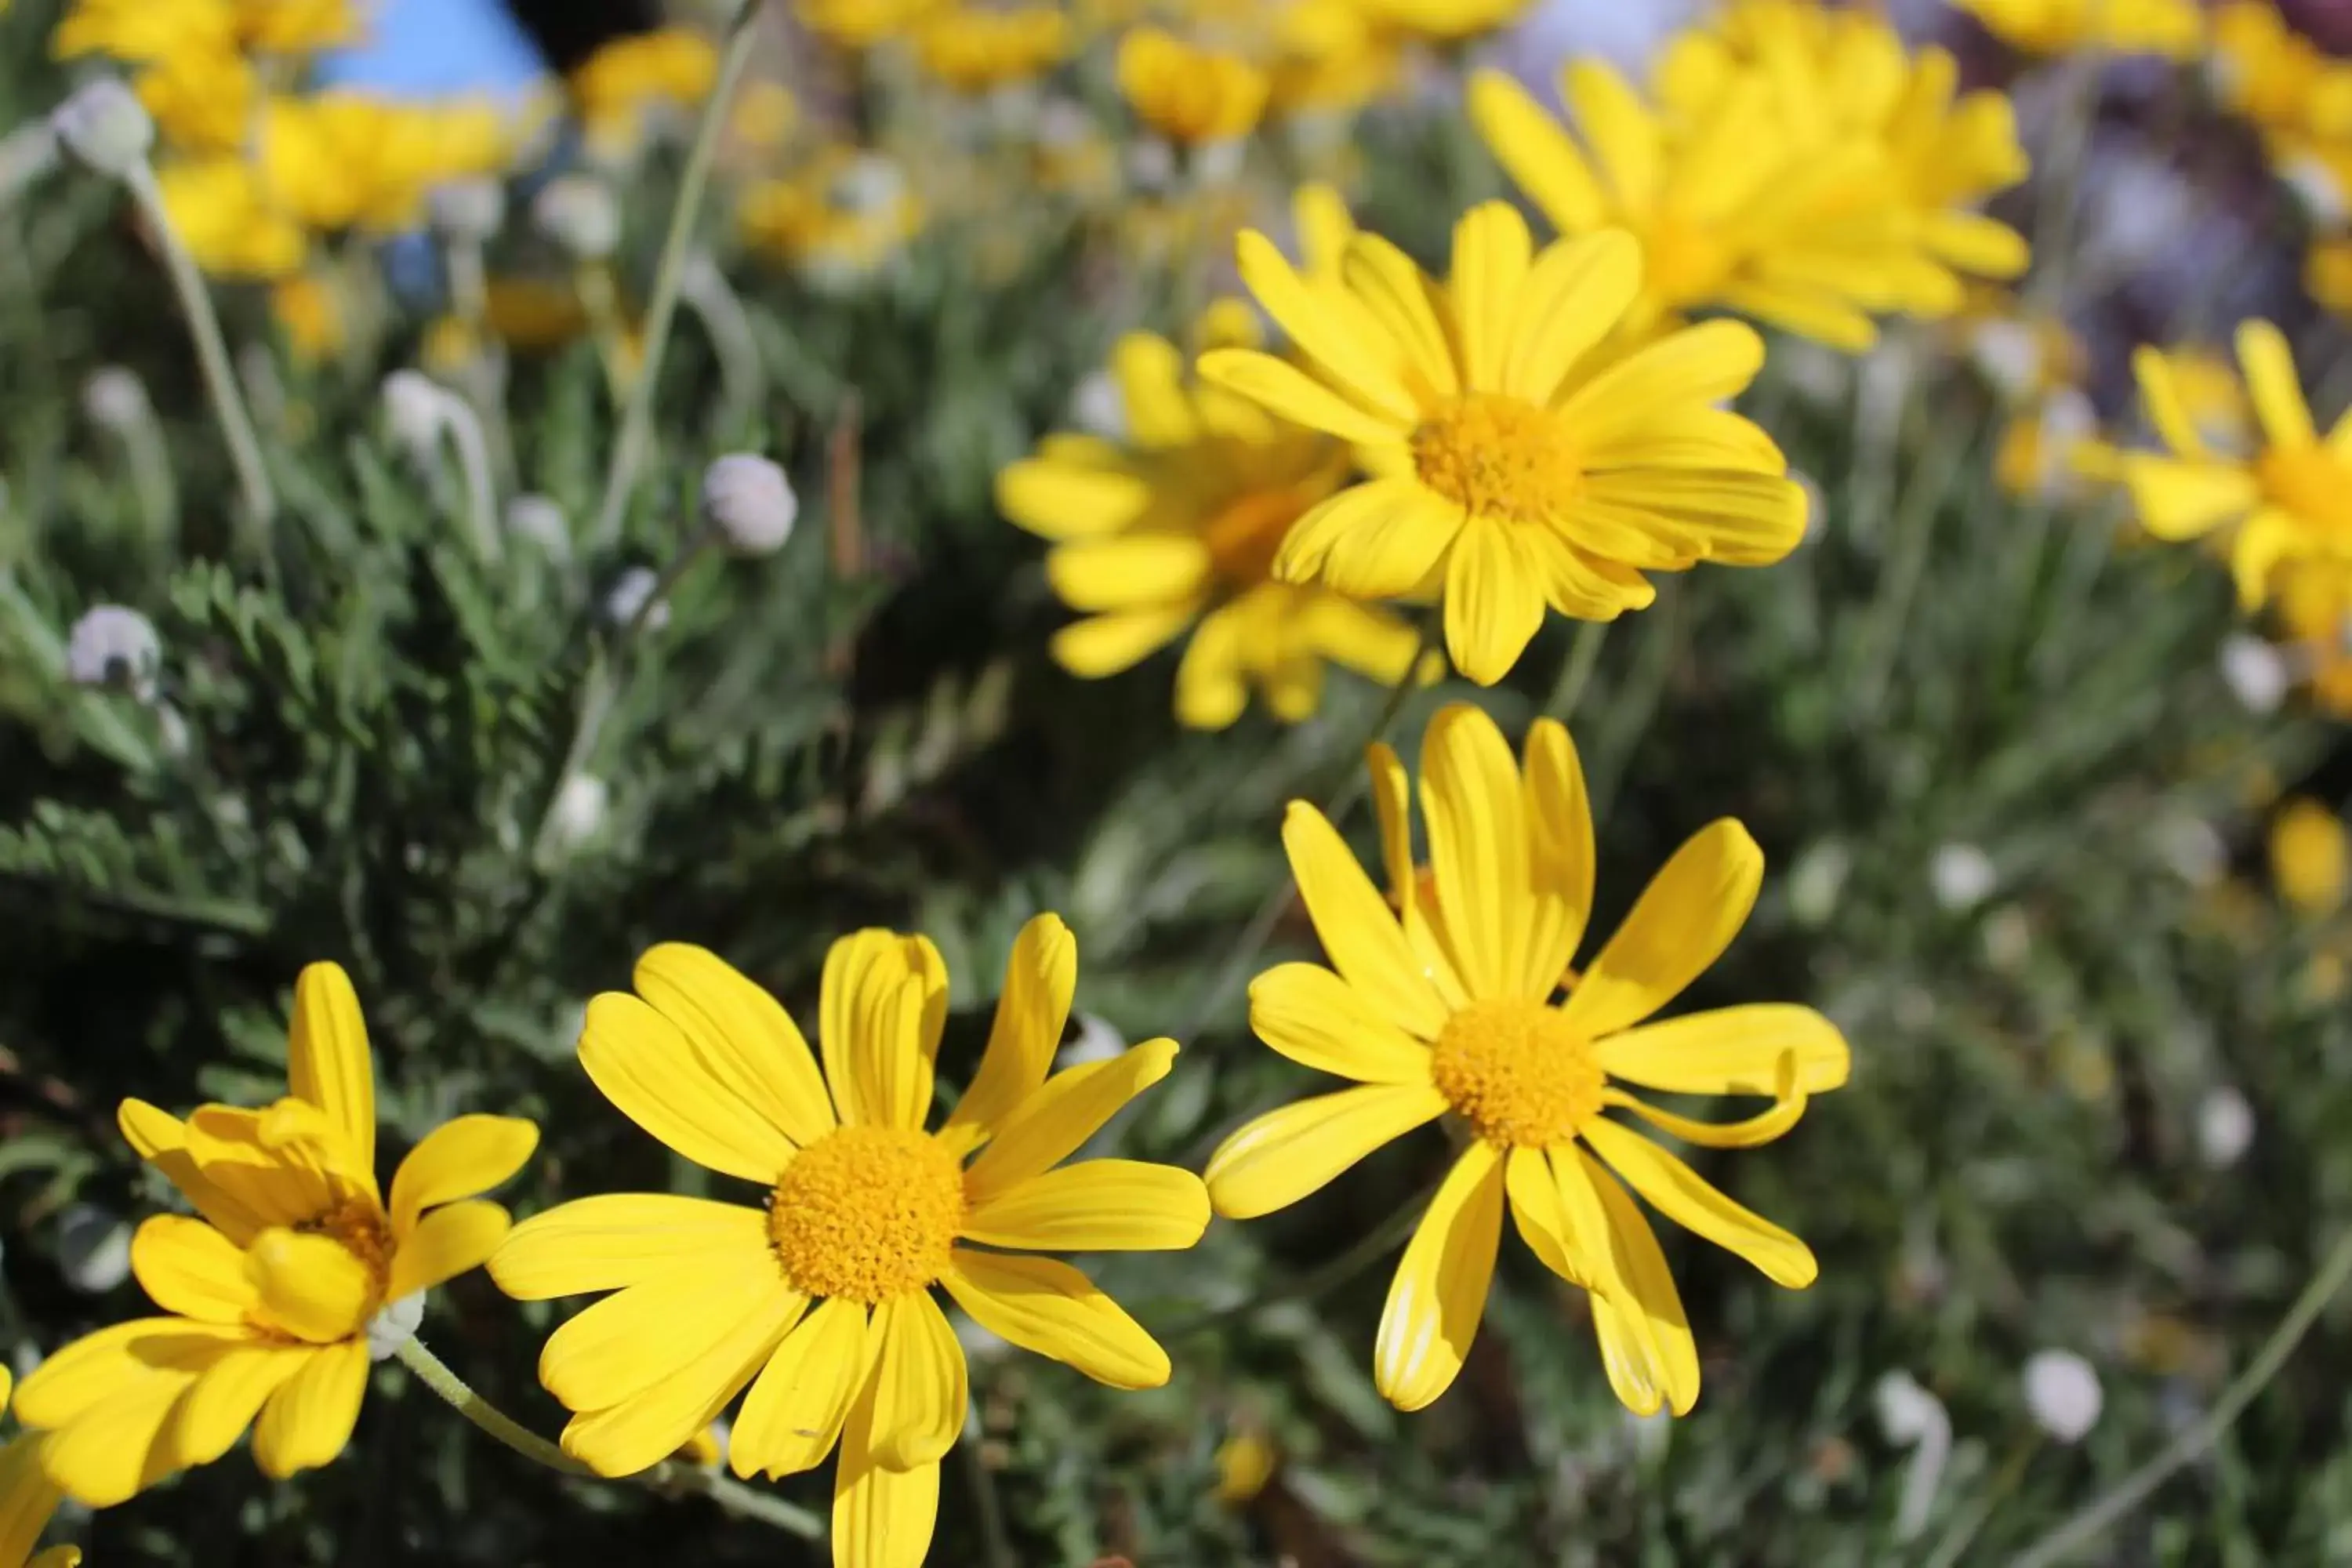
(2312, 483)
(868, 1213)
(1243, 537)
(1517, 1073)
(359, 1224)
(1498, 457)
(1682, 263)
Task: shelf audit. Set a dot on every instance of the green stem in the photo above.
(1576, 674)
(1964, 1530)
(1912, 536)
(636, 419)
(996, 1546)
(2094, 1520)
(212, 358)
(671, 1477)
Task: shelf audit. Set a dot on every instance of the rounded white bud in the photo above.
(2225, 1127)
(629, 594)
(93, 1248)
(1962, 876)
(750, 503)
(580, 810)
(541, 520)
(114, 646)
(115, 398)
(2255, 672)
(414, 410)
(394, 1325)
(469, 209)
(579, 214)
(2062, 1393)
(105, 126)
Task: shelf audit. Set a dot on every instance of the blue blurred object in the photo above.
(427, 48)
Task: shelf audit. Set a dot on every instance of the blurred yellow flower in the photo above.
(634, 76)
(1450, 1012)
(203, 99)
(310, 311)
(765, 115)
(2280, 81)
(340, 160)
(216, 205)
(821, 1301)
(858, 23)
(146, 29)
(1245, 1463)
(971, 49)
(1447, 21)
(840, 217)
(1175, 526)
(271, 1292)
(2314, 606)
(2310, 861)
(297, 27)
(2174, 29)
(1191, 96)
(27, 1497)
(1512, 466)
(1327, 56)
(2285, 503)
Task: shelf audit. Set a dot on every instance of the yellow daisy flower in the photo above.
(2278, 80)
(1511, 463)
(619, 86)
(271, 1292)
(973, 50)
(2174, 29)
(1445, 21)
(2289, 501)
(27, 1499)
(2311, 857)
(223, 216)
(860, 24)
(1448, 1011)
(1191, 96)
(842, 215)
(821, 1301)
(1175, 527)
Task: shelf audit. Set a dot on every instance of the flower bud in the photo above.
(469, 209)
(580, 214)
(540, 518)
(629, 594)
(105, 126)
(114, 647)
(2062, 1393)
(579, 810)
(414, 410)
(115, 398)
(750, 503)
(394, 1325)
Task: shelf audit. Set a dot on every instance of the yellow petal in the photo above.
(327, 1060)
(1683, 1195)
(882, 1518)
(1150, 371)
(2178, 500)
(1740, 519)
(1788, 1108)
(87, 1372)
(2265, 540)
(1320, 214)
(650, 1425)
(1805, 311)
(1318, 1020)
(1682, 922)
(1649, 1291)
(1572, 298)
(2271, 384)
(2168, 409)
(1106, 645)
(1560, 835)
(1536, 1210)
(741, 1035)
(459, 1159)
(647, 1068)
(1479, 852)
(1728, 1050)
(1395, 294)
(1282, 1156)
(1032, 1009)
(1366, 368)
(1067, 500)
(1617, 127)
(215, 1413)
(188, 1268)
(1284, 389)
(1211, 688)
(622, 1239)
(1366, 944)
(281, 1185)
(1494, 600)
(1048, 1307)
(1070, 1108)
(1492, 250)
(919, 1387)
(1387, 533)
(1440, 1289)
(454, 1239)
(162, 1140)
(122, 1447)
(864, 1022)
(791, 1418)
(1627, 1342)
(27, 1499)
(307, 1421)
(309, 1285)
(1096, 1206)
(1130, 572)
(1692, 367)
(1539, 156)
(649, 1333)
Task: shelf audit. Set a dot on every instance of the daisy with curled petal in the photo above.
(271, 1291)
(1448, 1009)
(27, 1499)
(821, 1302)
(1510, 463)
(2286, 505)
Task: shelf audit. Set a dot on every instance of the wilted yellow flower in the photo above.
(1448, 1009)
(821, 1301)
(216, 207)
(1174, 527)
(618, 86)
(27, 1497)
(2285, 503)
(272, 1291)
(973, 49)
(310, 311)
(840, 217)
(2172, 28)
(2311, 861)
(1512, 466)
(1191, 96)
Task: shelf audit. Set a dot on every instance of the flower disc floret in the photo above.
(1518, 1072)
(1499, 456)
(868, 1213)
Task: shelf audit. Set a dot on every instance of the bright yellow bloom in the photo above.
(342, 159)
(217, 206)
(860, 24)
(297, 27)
(821, 1301)
(1451, 1011)
(1324, 56)
(973, 50)
(1246, 1462)
(1800, 168)
(272, 1291)
(1191, 96)
(616, 88)
(2172, 28)
(310, 311)
(2287, 502)
(2315, 604)
(2311, 861)
(146, 29)
(27, 1499)
(202, 99)
(1445, 21)
(840, 217)
(2282, 83)
(1512, 465)
(1176, 526)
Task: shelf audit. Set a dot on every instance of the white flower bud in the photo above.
(105, 126)
(2062, 1393)
(469, 209)
(2225, 1127)
(540, 518)
(2007, 354)
(93, 1248)
(628, 595)
(579, 810)
(114, 647)
(414, 411)
(2193, 848)
(115, 398)
(870, 183)
(1817, 880)
(1218, 162)
(2255, 673)
(749, 502)
(1962, 877)
(1914, 1418)
(579, 214)
(1098, 1041)
(394, 1326)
